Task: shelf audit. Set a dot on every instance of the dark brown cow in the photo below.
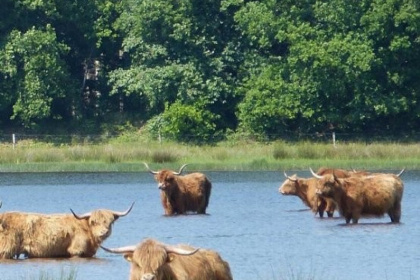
(305, 189)
(153, 260)
(365, 195)
(182, 194)
(341, 173)
(56, 235)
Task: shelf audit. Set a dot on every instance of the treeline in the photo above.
(210, 68)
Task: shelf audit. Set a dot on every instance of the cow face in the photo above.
(166, 180)
(100, 223)
(147, 261)
(289, 187)
(326, 185)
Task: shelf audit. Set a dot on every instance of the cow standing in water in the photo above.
(182, 193)
(305, 189)
(55, 235)
(375, 194)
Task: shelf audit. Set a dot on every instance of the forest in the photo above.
(206, 69)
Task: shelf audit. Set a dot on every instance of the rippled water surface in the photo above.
(262, 234)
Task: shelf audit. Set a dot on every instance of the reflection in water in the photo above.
(262, 234)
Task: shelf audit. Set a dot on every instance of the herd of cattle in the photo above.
(30, 235)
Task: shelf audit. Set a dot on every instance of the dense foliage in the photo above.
(193, 70)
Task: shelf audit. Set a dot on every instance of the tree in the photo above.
(180, 52)
(34, 74)
(328, 68)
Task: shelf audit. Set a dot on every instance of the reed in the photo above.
(64, 274)
(128, 156)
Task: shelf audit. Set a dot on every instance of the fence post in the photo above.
(14, 140)
(333, 138)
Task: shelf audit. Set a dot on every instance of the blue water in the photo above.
(262, 234)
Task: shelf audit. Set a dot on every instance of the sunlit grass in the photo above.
(279, 155)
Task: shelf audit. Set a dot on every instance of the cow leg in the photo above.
(348, 218)
(321, 208)
(395, 212)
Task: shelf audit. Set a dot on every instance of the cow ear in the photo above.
(128, 257)
(170, 257)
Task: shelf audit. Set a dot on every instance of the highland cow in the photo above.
(181, 194)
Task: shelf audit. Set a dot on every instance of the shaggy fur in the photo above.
(341, 173)
(181, 194)
(367, 195)
(151, 260)
(53, 236)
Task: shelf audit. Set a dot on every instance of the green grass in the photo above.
(29, 156)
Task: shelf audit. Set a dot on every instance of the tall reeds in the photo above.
(128, 156)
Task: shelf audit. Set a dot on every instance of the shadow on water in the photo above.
(298, 210)
(372, 224)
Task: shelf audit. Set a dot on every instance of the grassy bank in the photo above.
(128, 156)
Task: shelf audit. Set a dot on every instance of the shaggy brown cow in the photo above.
(152, 260)
(366, 195)
(305, 189)
(56, 235)
(181, 194)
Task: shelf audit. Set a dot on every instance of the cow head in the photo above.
(101, 221)
(326, 183)
(289, 185)
(149, 257)
(166, 178)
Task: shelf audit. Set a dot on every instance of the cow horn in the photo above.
(290, 178)
(82, 217)
(402, 171)
(180, 170)
(179, 251)
(1, 204)
(122, 214)
(150, 170)
(314, 174)
(120, 250)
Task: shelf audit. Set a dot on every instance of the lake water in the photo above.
(262, 234)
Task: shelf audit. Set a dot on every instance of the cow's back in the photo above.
(197, 190)
(204, 264)
(381, 193)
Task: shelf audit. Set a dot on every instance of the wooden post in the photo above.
(333, 137)
(14, 140)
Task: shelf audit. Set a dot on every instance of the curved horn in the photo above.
(1, 204)
(180, 170)
(122, 214)
(179, 251)
(402, 171)
(290, 178)
(314, 174)
(120, 250)
(82, 217)
(150, 170)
